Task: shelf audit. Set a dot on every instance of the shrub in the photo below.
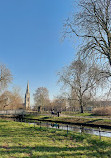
(102, 111)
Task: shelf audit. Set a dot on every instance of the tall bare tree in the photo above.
(82, 78)
(92, 22)
(41, 97)
(5, 76)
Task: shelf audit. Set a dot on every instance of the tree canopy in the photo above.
(5, 76)
(92, 23)
(41, 97)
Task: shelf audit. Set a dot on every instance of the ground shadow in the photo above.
(95, 149)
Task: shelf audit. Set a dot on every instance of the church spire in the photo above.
(27, 91)
(27, 98)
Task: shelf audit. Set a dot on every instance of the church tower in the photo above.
(27, 98)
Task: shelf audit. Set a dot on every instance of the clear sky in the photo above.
(30, 42)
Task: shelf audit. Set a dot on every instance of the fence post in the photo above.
(67, 129)
(100, 133)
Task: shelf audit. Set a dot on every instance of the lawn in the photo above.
(23, 140)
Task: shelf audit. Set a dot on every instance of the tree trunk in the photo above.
(82, 109)
(81, 106)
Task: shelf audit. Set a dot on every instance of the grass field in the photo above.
(23, 140)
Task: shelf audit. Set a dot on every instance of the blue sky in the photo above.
(30, 42)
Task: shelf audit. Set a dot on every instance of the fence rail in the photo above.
(13, 112)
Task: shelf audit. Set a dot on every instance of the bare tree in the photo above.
(5, 76)
(16, 98)
(41, 97)
(11, 100)
(82, 78)
(92, 22)
(4, 100)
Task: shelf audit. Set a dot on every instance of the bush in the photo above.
(102, 111)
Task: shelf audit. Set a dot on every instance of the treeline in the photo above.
(65, 102)
(43, 103)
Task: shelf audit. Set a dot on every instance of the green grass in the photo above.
(21, 140)
(84, 114)
(71, 113)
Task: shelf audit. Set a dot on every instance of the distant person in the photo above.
(58, 113)
(52, 112)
